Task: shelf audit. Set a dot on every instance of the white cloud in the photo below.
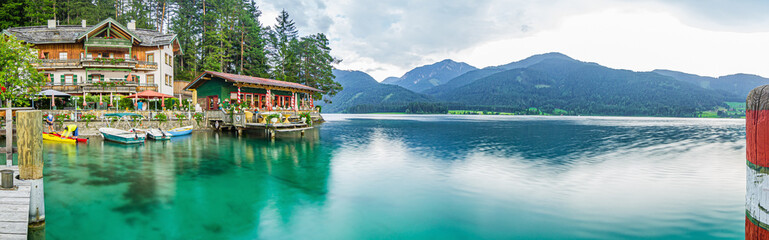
(387, 38)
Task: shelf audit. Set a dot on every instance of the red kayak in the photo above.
(83, 140)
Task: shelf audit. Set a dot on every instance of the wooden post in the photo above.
(9, 134)
(757, 150)
(30, 145)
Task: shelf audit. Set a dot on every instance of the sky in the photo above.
(389, 38)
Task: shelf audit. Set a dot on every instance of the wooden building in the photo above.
(103, 58)
(211, 89)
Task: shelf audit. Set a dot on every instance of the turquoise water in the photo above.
(411, 177)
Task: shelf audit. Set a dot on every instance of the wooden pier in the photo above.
(288, 122)
(14, 208)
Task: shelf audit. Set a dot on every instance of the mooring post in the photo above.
(9, 134)
(30, 145)
(757, 154)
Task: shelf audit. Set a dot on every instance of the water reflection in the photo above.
(210, 184)
(411, 177)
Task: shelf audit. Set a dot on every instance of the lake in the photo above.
(411, 177)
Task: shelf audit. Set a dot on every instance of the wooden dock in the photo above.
(290, 122)
(14, 209)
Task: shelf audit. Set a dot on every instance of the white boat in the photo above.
(121, 136)
(158, 134)
(180, 131)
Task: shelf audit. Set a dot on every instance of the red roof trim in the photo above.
(253, 80)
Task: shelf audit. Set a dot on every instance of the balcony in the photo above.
(142, 65)
(96, 63)
(108, 63)
(65, 88)
(108, 43)
(55, 63)
(119, 87)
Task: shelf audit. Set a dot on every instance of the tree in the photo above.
(253, 58)
(281, 52)
(316, 64)
(19, 80)
(9, 14)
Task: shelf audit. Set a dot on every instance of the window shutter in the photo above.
(89, 78)
(138, 78)
(62, 79)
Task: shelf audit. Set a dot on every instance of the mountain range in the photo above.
(550, 83)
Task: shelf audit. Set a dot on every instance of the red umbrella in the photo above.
(149, 94)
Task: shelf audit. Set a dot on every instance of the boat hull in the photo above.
(80, 140)
(121, 136)
(180, 131)
(166, 137)
(54, 138)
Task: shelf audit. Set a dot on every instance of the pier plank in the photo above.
(14, 210)
(13, 236)
(13, 227)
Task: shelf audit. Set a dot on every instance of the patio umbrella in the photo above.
(53, 93)
(149, 94)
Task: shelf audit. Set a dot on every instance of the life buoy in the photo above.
(237, 118)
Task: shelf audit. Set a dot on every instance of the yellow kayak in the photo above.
(54, 138)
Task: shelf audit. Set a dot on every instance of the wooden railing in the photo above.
(96, 62)
(56, 63)
(104, 42)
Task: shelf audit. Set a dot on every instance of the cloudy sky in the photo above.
(390, 37)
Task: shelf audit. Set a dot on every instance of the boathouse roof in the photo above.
(75, 33)
(259, 82)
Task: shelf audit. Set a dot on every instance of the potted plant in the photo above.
(161, 117)
(198, 118)
(88, 118)
(181, 117)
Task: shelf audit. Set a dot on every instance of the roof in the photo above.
(247, 79)
(72, 33)
(149, 94)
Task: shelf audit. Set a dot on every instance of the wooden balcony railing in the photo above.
(107, 43)
(97, 62)
(56, 63)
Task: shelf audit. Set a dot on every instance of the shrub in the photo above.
(88, 118)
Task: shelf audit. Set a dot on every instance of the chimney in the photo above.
(132, 25)
(83, 23)
(51, 23)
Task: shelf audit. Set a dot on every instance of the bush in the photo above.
(161, 117)
(88, 118)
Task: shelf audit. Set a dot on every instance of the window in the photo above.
(126, 56)
(150, 58)
(151, 79)
(49, 76)
(69, 78)
(166, 59)
(104, 55)
(62, 55)
(45, 55)
(81, 55)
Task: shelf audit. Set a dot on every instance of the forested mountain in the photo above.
(391, 80)
(428, 76)
(361, 91)
(736, 86)
(471, 76)
(582, 88)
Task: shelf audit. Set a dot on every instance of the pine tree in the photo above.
(281, 52)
